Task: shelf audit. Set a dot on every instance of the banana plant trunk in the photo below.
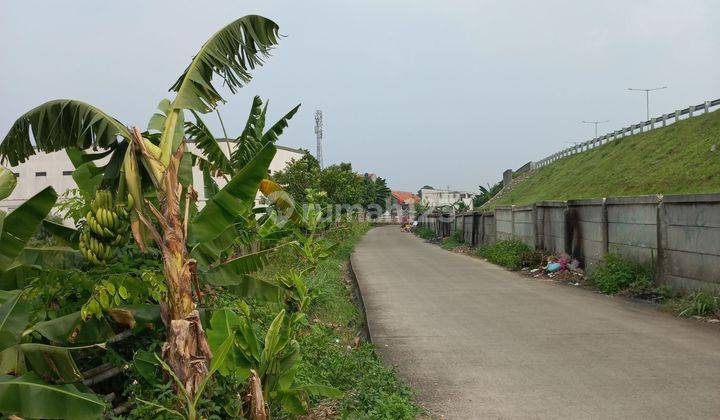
(186, 350)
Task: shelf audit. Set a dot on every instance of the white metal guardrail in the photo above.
(651, 124)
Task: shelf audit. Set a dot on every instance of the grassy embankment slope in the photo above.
(673, 160)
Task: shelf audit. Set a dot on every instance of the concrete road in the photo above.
(482, 342)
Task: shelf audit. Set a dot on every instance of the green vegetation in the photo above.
(341, 185)
(616, 274)
(453, 241)
(506, 253)
(205, 314)
(673, 160)
(424, 233)
(700, 304)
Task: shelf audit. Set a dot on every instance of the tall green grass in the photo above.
(673, 160)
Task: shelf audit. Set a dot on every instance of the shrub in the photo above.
(424, 232)
(506, 253)
(616, 274)
(458, 236)
(453, 241)
(700, 304)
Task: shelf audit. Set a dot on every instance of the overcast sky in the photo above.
(439, 92)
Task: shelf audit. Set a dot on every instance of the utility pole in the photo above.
(596, 124)
(319, 135)
(647, 98)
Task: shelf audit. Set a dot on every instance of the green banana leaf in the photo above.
(204, 139)
(7, 183)
(236, 276)
(14, 315)
(54, 364)
(22, 223)
(146, 365)
(50, 256)
(222, 210)
(12, 361)
(231, 53)
(58, 125)
(72, 330)
(64, 234)
(30, 397)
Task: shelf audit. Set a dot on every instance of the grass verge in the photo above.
(334, 352)
(677, 159)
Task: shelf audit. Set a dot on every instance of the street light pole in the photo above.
(647, 98)
(596, 124)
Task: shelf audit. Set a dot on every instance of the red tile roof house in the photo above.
(403, 204)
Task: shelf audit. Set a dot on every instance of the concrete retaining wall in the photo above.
(689, 236)
(503, 223)
(550, 225)
(523, 220)
(468, 232)
(679, 236)
(632, 227)
(586, 231)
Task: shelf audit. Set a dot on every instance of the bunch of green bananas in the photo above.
(106, 227)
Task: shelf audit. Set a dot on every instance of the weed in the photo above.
(424, 232)
(506, 253)
(453, 241)
(700, 304)
(616, 274)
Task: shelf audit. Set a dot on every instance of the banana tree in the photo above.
(231, 53)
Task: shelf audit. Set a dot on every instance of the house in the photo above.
(55, 169)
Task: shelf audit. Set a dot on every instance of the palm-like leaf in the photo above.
(230, 53)
(22, 223)
(30, 397)
(7, 182)
(252, 139)
(204, 139)
(222, 209)
(57, 125)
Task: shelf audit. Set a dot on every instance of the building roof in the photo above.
(404, 197)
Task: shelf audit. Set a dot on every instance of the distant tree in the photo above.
(375, 192)
(486, 193)
(300, 175)
(343, 186)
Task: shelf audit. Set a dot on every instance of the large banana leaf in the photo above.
(222, 210)
(21, 224)
(272, 134)
(14, 315)
(54, 364)
(235, 275)
(72, 330)
(57, 125)
(249, 145)
(199, 133)
(230, 53)
(7, 182)
(254, 124)
(30, 397)
(65, 235)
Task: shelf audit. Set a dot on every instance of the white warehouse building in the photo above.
(440, 198)
(55, 169)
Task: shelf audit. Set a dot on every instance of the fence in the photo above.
(651, 124)
(679, 236)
